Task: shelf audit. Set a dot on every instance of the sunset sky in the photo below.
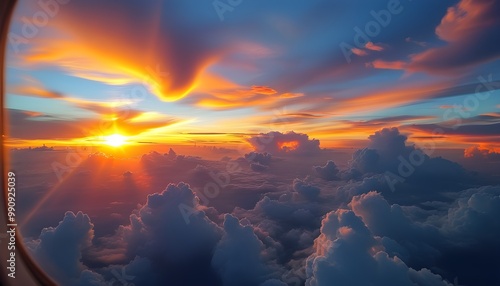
(337, 71)
(257, 143)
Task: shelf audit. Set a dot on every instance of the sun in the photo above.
(115, 140)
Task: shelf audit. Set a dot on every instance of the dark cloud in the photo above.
(306, 190)
(365, 160)
(174, 216)
(383, 152)
(154, 160)
(471, 220)
(464, 90)
(171, 232)
(384, 121)
(239, 265)
(261, 158)
(473, 130)
(287, 210)
(257, 167)
(59, 249)
(388, 154)
(23, 126)
(328, 172)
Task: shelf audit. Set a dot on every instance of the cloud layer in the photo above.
(337, 225)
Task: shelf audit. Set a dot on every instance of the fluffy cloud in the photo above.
(347, 253)
(374, 47)
(171, 232)
(328, 172)
(432, 236)
(287, 210)
(306, 190)
(154, 160)
(180, 230)
(292, 221)
(414, 243)
(382, 153)
(88, 277)
(238, 258)
(476, 153)
(472, 219)
(59, 249)
(259, 162)
(282, 143)
(388, 154)
(261, 158)
(171, 154)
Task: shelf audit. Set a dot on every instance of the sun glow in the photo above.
(289, 145)
(115, 140)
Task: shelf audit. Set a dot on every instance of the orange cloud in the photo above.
(291, 95)
(470, 28)
(374, 47)
(215, 92)
(263, 90)
(481, 153)
(359, 52)
(116, 50)
(395, 65)
(32, 113)
(464, 19)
